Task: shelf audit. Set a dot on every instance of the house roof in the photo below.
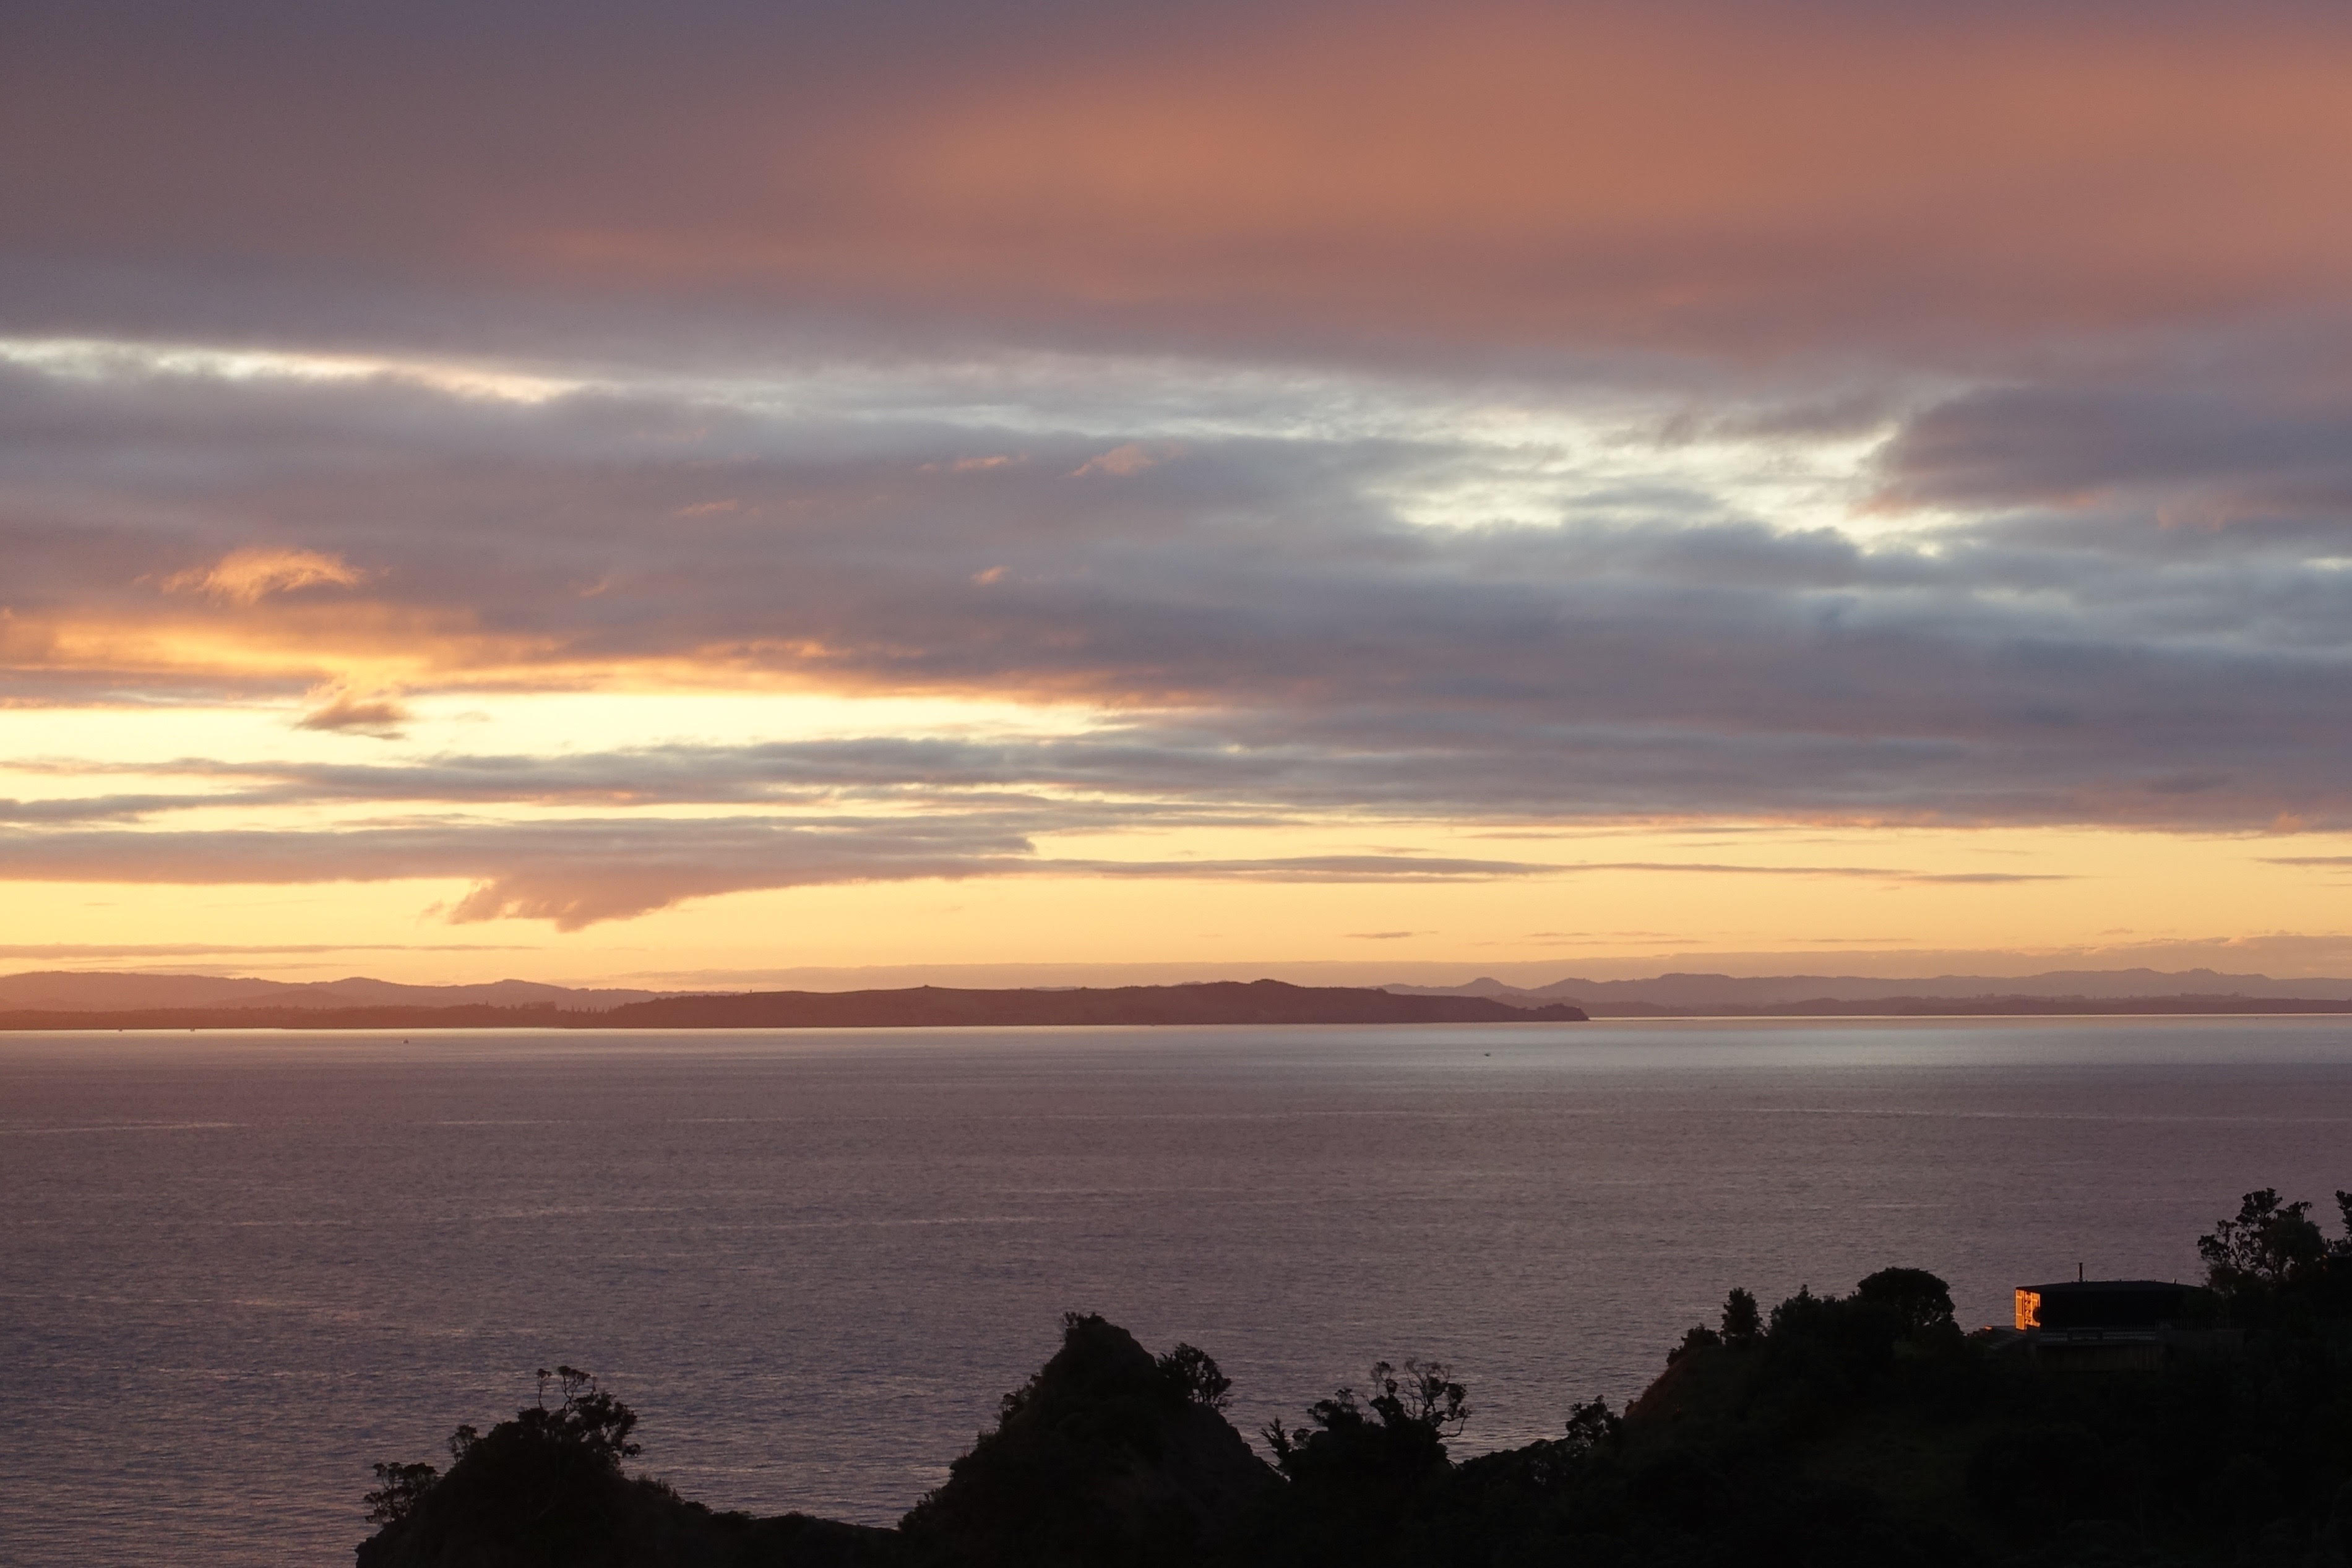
(2105, 1287)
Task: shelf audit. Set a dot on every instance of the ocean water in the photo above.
(235, 1269)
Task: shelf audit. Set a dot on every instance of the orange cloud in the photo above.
(306, 643)
(246, 577)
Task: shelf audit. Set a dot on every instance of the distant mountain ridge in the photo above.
(69, 990)
(1263, 1002)
(1688, 990)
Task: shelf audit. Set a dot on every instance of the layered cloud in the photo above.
(1505, 417)
(576, 872)
(1267, 611)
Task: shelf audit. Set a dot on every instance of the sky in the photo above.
(734, 494)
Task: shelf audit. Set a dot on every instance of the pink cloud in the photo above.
(1720, 176)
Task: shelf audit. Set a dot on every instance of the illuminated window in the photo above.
(2028, 1309)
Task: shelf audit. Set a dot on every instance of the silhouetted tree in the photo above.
(1426, 1395)
(586, 1419)
(1365, 1464)
(542, 1490)
(1193, 1373)
(1919, 1298)
(1742, 1324)
(2270, 1244)
(399, 1489)
(1591, 1427)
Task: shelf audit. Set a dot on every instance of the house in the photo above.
(2115, 1325)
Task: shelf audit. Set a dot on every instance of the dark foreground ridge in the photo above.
(1857, 1431)
(921, 1007)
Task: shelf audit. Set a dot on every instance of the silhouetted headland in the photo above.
(921, 1006)
(1851, 1431)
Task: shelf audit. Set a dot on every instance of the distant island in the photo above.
(1261, 1002)
(2124, 1424)
(67, 999)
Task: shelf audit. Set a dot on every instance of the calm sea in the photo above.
(237, 1268)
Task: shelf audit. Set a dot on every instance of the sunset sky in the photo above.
(791, 493)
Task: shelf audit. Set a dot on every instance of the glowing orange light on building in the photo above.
(2028, 1309)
